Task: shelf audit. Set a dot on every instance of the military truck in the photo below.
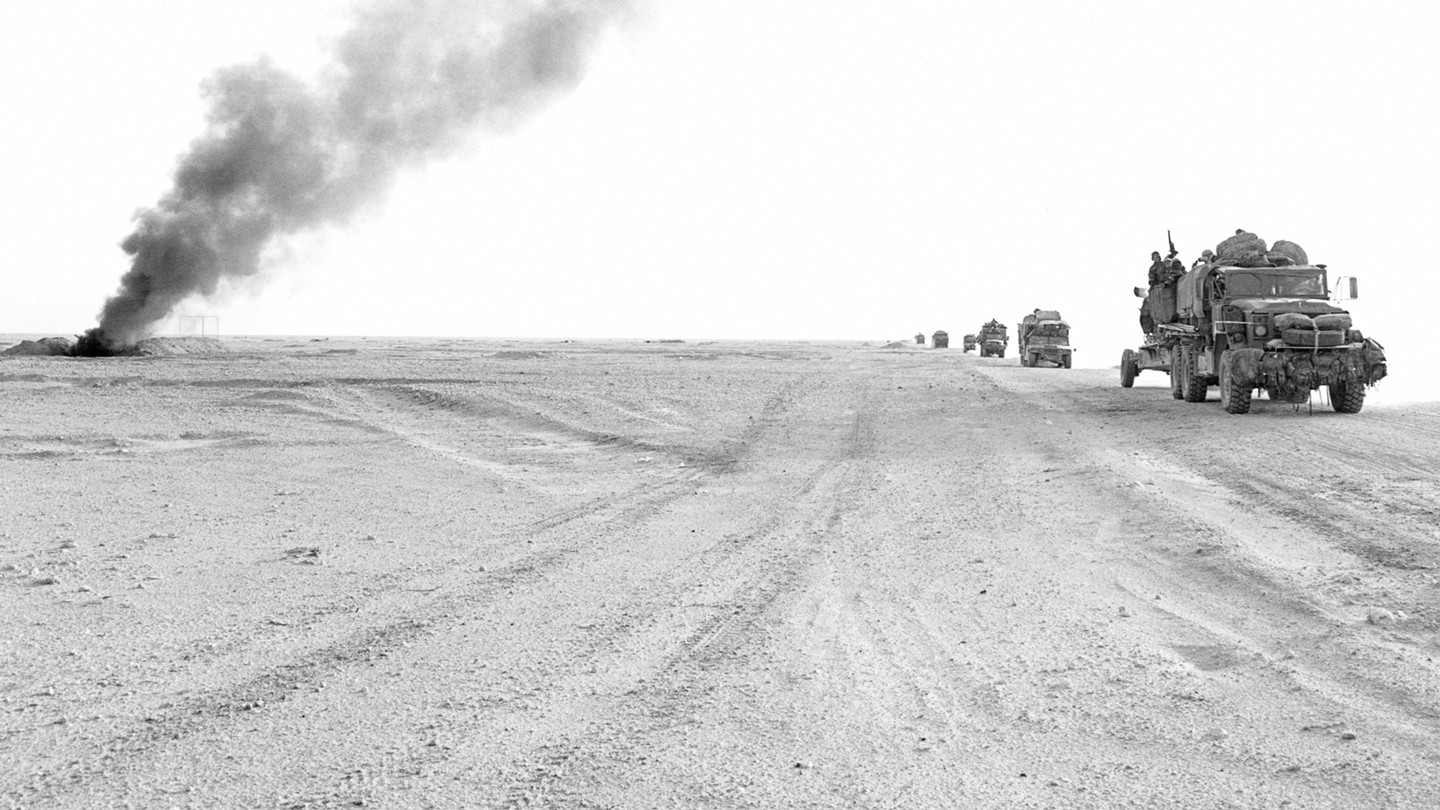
(993, 339)
(1044, 340)
(1264, 328)
(940, 340)
(969, 343)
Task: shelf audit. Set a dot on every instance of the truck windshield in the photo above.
(1241, 285)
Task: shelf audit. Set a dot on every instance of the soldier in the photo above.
(1174, 270)
(1158, 266)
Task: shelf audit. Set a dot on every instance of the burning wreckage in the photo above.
(1249, 317)
(407, 83)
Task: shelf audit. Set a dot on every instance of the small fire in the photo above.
(410, 81)
(92, 344)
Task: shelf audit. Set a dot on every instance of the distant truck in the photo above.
(970, 343)
(940, 340)
(1259, 328)
(1043, 338)
(993, 339)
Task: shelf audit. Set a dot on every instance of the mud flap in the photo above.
(1244, 365)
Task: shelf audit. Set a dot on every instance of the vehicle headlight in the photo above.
(1260, 330)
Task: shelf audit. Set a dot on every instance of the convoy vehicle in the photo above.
(1271, 329)
(940, 340)
(993, 339)
(1044, 339)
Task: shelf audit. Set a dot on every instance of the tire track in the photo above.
(458, 595)
(679, 686)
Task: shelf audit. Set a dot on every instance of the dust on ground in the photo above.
(452, 574)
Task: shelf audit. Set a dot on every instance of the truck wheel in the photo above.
(1065, 363)
(1193, 385)
(1127, 368)
(1347, 397)
(1182, 368)
(1175, 381)
(1234, 397)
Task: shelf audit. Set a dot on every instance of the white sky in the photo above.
(759, 169)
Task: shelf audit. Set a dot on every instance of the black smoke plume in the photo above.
(410, 81)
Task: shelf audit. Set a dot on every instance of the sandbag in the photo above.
(1047, 315)
(1334, 320)
(1242, 250)
(1294, 320)
(1291, 251)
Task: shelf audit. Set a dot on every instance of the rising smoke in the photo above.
(411, 81)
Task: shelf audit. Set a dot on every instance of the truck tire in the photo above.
(1193, 385)
(1234, 397)
(1127, 368)
(1347, 397)
(1177, 371)
(1065, 361)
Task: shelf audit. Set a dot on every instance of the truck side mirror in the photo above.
(1349, 289)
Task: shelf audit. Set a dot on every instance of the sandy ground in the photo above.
(406, 573)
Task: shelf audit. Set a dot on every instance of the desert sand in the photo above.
(627, 574)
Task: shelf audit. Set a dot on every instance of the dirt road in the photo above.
(481, 574)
